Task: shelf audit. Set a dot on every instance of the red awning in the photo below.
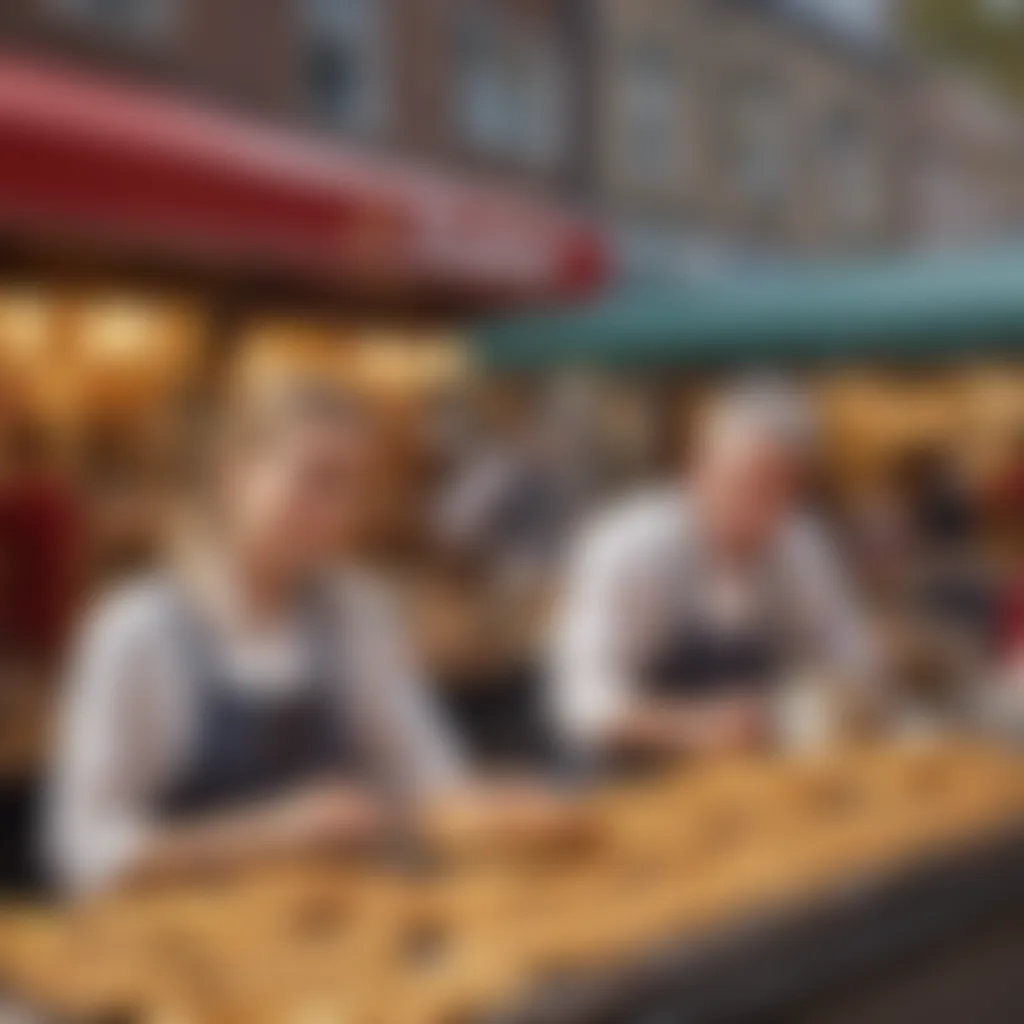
(84, 157)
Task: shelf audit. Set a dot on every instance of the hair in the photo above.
(765, 408)
(254, 421)
(246, 422)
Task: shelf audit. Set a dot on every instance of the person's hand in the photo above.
(313, 821)
(729, 725)
(331, 816)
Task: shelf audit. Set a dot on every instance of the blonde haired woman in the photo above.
(252, 699)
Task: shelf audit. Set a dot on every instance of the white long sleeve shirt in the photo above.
(623, 592)
(131, 715)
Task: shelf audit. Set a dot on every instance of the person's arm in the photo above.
(323, 819)
(678, 726)
(591, 694)
(397, 721)
(114, 744)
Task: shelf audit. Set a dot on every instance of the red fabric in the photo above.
(1006, 496)
(86, 157)
(40, 534)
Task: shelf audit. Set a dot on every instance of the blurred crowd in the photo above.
(208, 637)
(928, 548)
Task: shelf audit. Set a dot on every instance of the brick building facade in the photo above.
(730, 121)
(968, 148)
(494, 87)
(734, 124)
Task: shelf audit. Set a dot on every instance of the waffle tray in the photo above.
(919, 892)
(772, 967)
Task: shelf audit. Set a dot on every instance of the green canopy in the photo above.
(905, 308)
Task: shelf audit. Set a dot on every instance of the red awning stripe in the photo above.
(90, 155)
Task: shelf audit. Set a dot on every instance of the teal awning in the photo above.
(903, 309)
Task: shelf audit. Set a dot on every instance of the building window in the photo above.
(144, 19)
(758, 140)
(853, 177)
(540, 87)
(510, 89)
(485, 101)
(345, 62)
(651, 109)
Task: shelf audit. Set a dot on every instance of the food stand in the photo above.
(146, 240)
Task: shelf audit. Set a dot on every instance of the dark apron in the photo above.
(697, 659)
(250, 747)
(702, 659)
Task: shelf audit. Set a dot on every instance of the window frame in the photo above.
(520, 71)
(366, 33)
(632, 64)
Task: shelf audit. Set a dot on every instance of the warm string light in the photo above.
(71, 354)
(26, 322)
(384, 362)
